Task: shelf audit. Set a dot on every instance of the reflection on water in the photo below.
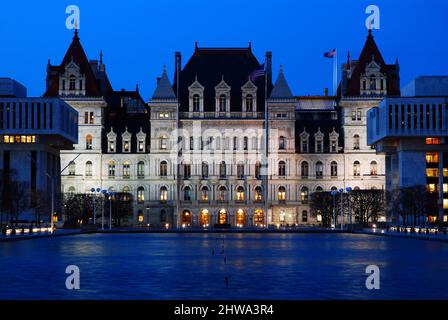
(194, 266)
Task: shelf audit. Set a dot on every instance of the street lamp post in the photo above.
(334, 193)
(147, 216)
(104, 192)
(342, 208)
(110, 209)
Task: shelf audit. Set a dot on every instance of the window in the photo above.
(281, 194)
(126, 169)
(140, 194)
(222, 103)
(240, 193)
(163, 194)
(249, 103)
(373, 168)
(304, 169)
(432, 157)
(187, 193)
(222, 193)
(88, 168)
(163, 142)
(319, 170)
(258, 193)
(319, 189)
(432, 140)
(196, 103)
(127, 193)
(356, 142)
(240, 170)
(372, 84)
(245, 143)
(432, 173)
(111, 168)
(358, 115)
(319, 146)
(126, 147)
(72, 169)
(191, 143)
(282, 169)
(334, 169)
(304, 195)
(333, 145)
(304, 145)
(204, 193)
(140, 169)
(304, 216)
(282, 143)
(187, 171)
(356, 169)
(235, 143)
(222, 170)
(89, 140)
(354, 115)
(72, 83)
(86, 117)
(163, 169)
(91, 118)
(141, 146)
(111, 146)
(204, 170)
(162, 216)
(258, 170)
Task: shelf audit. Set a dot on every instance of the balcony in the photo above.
(221, 115)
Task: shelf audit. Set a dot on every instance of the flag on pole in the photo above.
(260, 71)
(330, 54)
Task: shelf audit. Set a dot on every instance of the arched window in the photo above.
(89, 141)
(204, 193)
(319, 170)
(88, 168)
(334, 169)
(356, 142)
(258, 193)
(72, 169)
(140, 194)
(240, 193)
(240, 170)
(163, 194)
(249, 103)
(334, 188)
(126, 193)
(222, 170)
(222, 193)
(304, 216)
(222, 103)
(111, 168)
(204, 170)
(373, 168)
(319, 189)
(163, 143)
(282, 169)
(196, 103)
(140, 169)
(71, 190)
(356, 169)
(304, 195)
(282, 143)
(187, 193)
(305, 169)
(72, 83)
(163, 169)
(281, 193)
(258, 170)
(126, 169)
(187, 171)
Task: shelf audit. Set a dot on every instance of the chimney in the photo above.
(326, 92)
(269, 66)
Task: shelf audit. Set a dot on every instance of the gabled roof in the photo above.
(281, 88)
(209, 66)
(369, 53)
(97, 83)
(163, 89)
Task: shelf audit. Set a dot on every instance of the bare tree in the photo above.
(367, 205)
(322, 203)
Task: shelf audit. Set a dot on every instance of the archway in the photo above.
(222, 216)
(258, 218)
(186, 218)
(204, 218)
(240, 218)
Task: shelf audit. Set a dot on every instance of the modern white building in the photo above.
(32, 133)
(195, 153)
(411, 131)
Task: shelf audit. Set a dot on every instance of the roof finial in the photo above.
(75, 37)
(164, 69)
(281, 68)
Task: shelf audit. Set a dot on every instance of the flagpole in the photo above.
(335, 73)
(266, 116)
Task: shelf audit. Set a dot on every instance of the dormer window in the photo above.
(319, 140)
(141, 138)
(249, 103)
(126, 146)
(249, 98)
(126, 138)
(163, 143)
(372, 82)
(111, 145)
(222, 103)
(334, 141)
(196, 103)
(304, 138)
(196, 97)
(72, 83)
(111, 141)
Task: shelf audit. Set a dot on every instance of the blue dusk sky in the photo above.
(139, 37)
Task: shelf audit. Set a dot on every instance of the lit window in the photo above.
(89, 141)
(432, 173)
(126, 146)
(140, 194)
(141, 146)
(281, 194)
(240, 194)
(163, 142)
(258, 194)
(222, 216)
(373, 168)
(111, 168)
(163, 194)
(432, 140)
(126, 169)
(111, 145)
(304, 195)
(204, 193)
(431, 188)
(356, 169)
(445, 203)
(432, 157)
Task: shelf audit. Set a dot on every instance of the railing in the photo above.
(221, 115)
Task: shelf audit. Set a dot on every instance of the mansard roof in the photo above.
(97, 83)
(369, 53)
(163, 89)
(281, 88)
(210, 66)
